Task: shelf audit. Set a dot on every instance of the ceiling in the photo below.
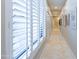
(56, 6)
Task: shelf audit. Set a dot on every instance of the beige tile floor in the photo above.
(56, 48)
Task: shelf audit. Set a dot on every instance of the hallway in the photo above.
(39, 29)
(56, 47)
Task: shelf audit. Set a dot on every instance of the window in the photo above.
(42, 19)
(19, 29)
(35, 22)
(28, 26)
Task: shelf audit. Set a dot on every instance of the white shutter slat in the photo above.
(19, 29)
(35, 17)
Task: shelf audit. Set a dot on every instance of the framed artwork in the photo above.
(73, 19)
(60, 21)
(68, 19)
(65, 20)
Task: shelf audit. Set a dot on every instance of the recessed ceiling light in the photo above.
(55, 7)
(58, 18)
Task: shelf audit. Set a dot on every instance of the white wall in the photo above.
(5, 32)
(70, 31)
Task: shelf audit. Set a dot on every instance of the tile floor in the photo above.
(56, 48)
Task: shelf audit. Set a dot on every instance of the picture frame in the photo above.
(65, 19)
(68, 19)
